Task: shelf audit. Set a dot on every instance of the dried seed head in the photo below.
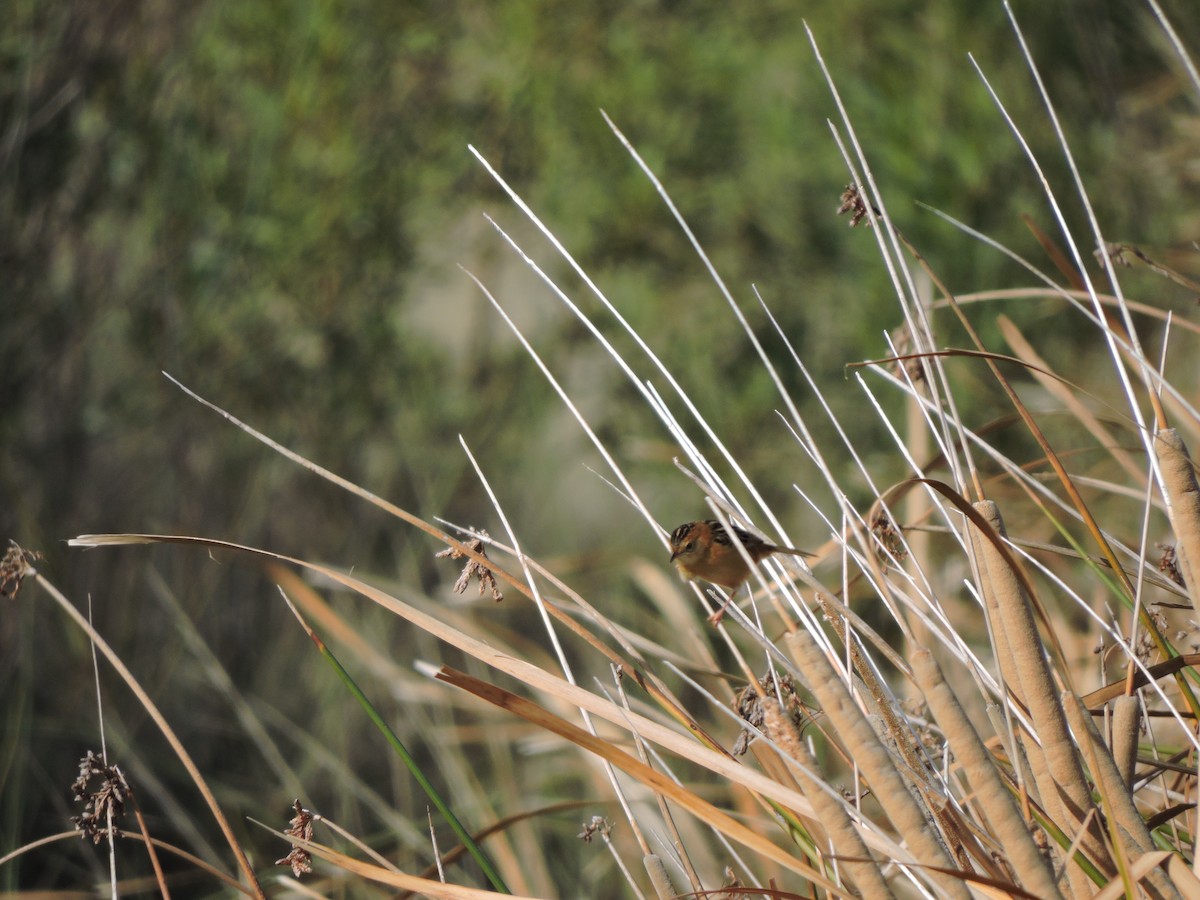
(300, 827)
(1114, 253)
(854, 203)
(14, 567)
(473, 569)
(105, 804)
(902, 340)
(888, 536)
(731, 887)
(1168, 564)
(748, 705)
(597, 826)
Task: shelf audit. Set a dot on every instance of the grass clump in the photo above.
(982, 684)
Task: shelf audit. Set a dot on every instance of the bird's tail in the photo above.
(792, 551)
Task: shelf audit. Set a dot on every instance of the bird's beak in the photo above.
(673, 555)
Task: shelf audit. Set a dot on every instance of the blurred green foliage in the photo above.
(270, 201)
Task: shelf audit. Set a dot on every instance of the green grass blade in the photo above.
(413, 767)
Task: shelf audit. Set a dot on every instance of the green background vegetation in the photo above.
(270, 201)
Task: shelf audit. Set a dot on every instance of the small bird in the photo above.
(704, 551)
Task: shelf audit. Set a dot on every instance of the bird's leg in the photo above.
(715, 618)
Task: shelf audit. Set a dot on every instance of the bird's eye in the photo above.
(689, 546)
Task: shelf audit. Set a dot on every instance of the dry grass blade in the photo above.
(345, 484)
(1033, 293)
(1181, 877)
(69, 836)
(302, 822)
(1054, 251)
(1068, 397)
(381, 875)
(630, 765)
(463, 549)
(1034, 428)
(152, 709)
(536, 678)
(1116, 253)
